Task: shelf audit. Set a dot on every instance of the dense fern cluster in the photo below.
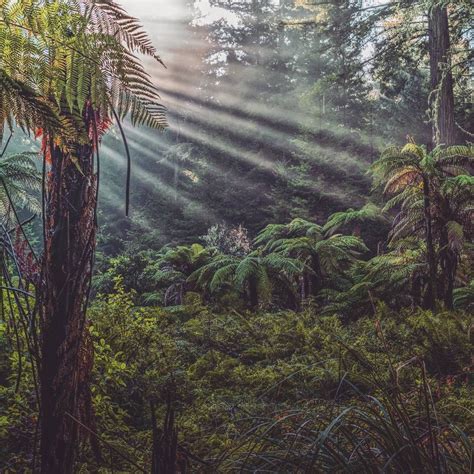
(292, 265)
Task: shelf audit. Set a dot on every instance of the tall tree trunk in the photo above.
(66, 356)
(431, 294)
(442, 99)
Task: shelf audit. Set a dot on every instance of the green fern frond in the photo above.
(75, 52)
(21, 105)
(446, 154)
(301, 227)
(223, 276)
(18, 173)
(110, 18)
(463, 298)
(411, 192)
(270, 233)
(414, 149)
(370, 212)
(249, 267)
(289, 266)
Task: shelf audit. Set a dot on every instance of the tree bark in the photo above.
(165, 458)
(316, 277)
(442, 98)
(431, 294)
(66, 356)
(449, 261)
(253, 292)
(451, 265)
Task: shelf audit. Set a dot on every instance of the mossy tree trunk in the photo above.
(442, 98)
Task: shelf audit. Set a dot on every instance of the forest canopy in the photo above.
(236, 236)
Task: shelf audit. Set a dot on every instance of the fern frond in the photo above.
(74, 52)
(247, 268)
(414, 149)
(370, 212)
(411, 192)
(222, 276)
(289, 266)
(463, 298)
(18, 173)
(270, 233)
(300, 227)
(21, 105)
(110, 18)
(407, 176)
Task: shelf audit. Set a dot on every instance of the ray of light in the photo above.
(157, 183)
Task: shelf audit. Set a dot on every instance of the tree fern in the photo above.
(174, 267)
(434, 195)
(76, 60)
(388, 277)
(324, 258)
(243, 272)
(91, 56)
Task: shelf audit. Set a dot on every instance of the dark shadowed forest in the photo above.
(236, 236)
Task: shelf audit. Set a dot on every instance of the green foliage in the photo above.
(56, 56)
(294, 263)
(464, 297)
(304, 350)
(248, 386)
(19, 174)
(353, 217)
(18, 407)
(254, 272)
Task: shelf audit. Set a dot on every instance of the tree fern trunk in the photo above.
(165, 445)
(253, 292)
(450, 280)
(316, 276)
(302, 288)
(430, 297)
(67, 264)
(448, 261)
